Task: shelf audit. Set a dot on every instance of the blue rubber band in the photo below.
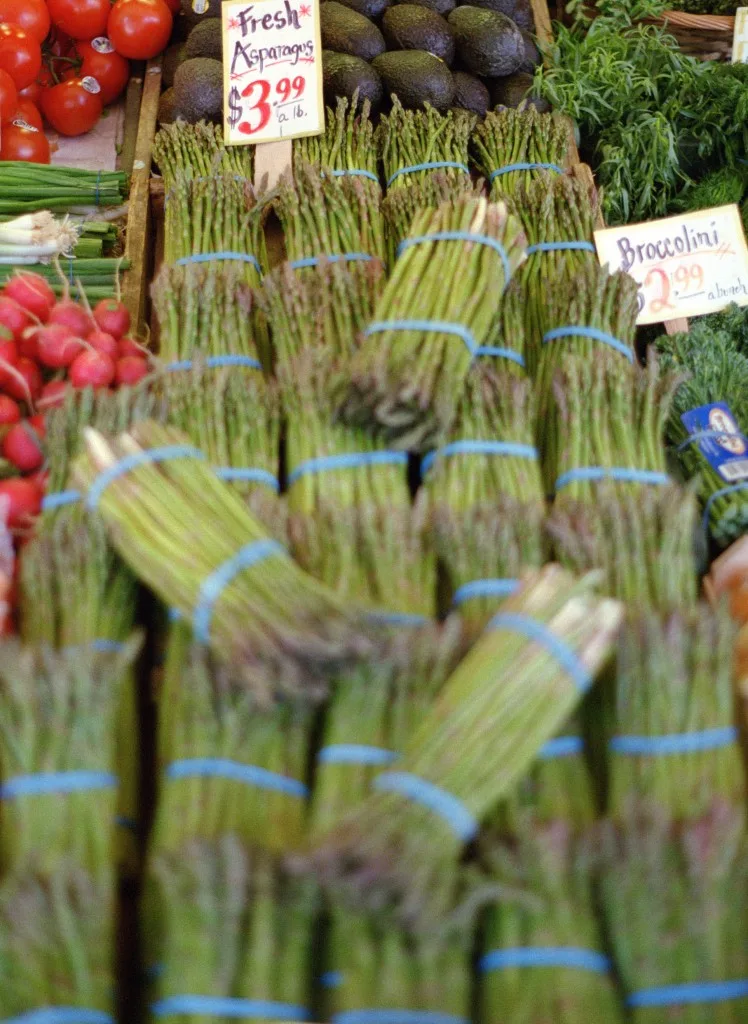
(97, 195)
(223, 768)
(355, 173)
(345, 257)
(55, 782)
(148, 456)
(436, 326)
(561, 746)
(467, 447)
(484, 588)
(701, 434)
(104, 646)
(332, 979)
(214, 362)
(212, 587)
(675, 743)
(594, 334)
(249, 475)
(560, 247)
(71, 275)
(395, 1016)
(216, 1006)
(540, 634)
(622, 473)
(501, 353)
(355, 753)
(695, 992)
(350, 460)
(129, 823)
(720, 494)
(430, 165)
(397, 618)
(545, 956)
(212, 257)
(59, 498)
(461, 236)
(61, 1015)
(448, 807)
(509, 168)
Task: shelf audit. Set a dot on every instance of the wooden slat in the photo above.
(133, 99)
(135, 280)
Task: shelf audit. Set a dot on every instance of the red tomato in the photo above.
(73, 107)
(109, 68)
(30, 15)
(8, 97)
(61, 44)
(81, 19)
(28, 113)
(28, 144)
(32, 92)
(20, 55)
(139, 29)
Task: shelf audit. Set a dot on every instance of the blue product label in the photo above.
(714, 430)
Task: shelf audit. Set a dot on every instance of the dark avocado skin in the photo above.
(416, 78)
(195, 11)
(343, 74)
(512, 91)
(488, 43)
(470, 93)
(167, 111)
(439, 6)
(409, 27)
(532, 54)
(345, 31)
(205, 40)
(198, 89)
(372, 9)
(171, 59)
(518, 10)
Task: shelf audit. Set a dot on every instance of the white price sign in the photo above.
(685, 266)
(272, 71)
(740, 37)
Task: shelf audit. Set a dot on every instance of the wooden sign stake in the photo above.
(272, 164)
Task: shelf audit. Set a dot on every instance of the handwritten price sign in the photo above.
(272, 71)
(685, 266)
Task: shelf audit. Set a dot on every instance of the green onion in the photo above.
(198, 150)
(347, 143)
(406, 381)
(176, 524)
(97, 277)
(508, 137)
(25, 187)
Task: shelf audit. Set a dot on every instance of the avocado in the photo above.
(205, 40)
(519, 11)
(171, 58)
(198, 89)
(488, 43)
(438, 6)
(513, 90)
(194, 11)
(409, 27)
(343, 74)
(470, 93)
(167, 108)
(416, 78)
(372, 9)
(345, 31)
(532, 54)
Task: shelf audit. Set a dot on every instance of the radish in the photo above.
(13, 316)
(39, 425)
(103, 342)
(22, 447)
(25, 500)
(71, 314)
(92, 370)
(131, 347)
(32, 293)
(27, 345)
(53, 394)
(9, 411)
(8, 362)
(131, 369)
(57, 346)
(26, 384)
(112, 317)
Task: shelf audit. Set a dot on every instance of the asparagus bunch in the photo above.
(57, 944)
(352, 522)
(198, 150)
(205, 309)
(217, 217)
(506, 138)
(542, 953)
(672, 741)
(226, 765)
(407, 377)
(709, 414)
(642, 541)
(227, 928)
(58, 714)
(503, 702)
(624, 447)
(676, 907)
(93, 278)
(347, 144)
(190, 537)
(336, 218)
(328, 306)
(409, 138)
